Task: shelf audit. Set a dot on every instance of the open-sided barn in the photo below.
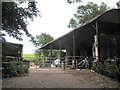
(83, 40)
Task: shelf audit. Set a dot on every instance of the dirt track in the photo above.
(57, 78)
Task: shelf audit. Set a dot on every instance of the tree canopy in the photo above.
(39, 41)
(15, 18)
(86, 12)
(118, 4)
(42, 39)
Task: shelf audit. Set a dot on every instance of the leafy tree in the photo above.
(15, 18)
(118, 4)
(87, 12)
(42, 39)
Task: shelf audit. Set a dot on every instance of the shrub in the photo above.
(15, 69)
(97, 67)
(25, 68)
(108, 68)
(112, 70)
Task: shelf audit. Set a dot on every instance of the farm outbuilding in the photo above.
(99, 37)
(10, 51)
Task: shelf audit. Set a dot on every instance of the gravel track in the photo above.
(57, 78)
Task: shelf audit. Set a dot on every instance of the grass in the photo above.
(29, 56)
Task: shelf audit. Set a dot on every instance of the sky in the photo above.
(55, 17)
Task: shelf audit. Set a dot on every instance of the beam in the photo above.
(97, 50)
(60, 51)
(97, 33)
(73, 37)
(44, 51)
(50, 56)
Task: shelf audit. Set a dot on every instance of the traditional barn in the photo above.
(99, 38)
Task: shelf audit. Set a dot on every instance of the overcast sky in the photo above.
(55, 16)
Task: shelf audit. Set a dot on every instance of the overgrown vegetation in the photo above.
(110, 68)
(15, 69)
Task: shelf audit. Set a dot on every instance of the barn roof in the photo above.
(108, 23)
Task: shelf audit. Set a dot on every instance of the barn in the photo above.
(98, 38)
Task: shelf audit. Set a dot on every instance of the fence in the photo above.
(70, 62)
(73, 61)
(6, 60)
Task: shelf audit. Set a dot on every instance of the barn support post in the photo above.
(60, 50)
(40, 61)
(50, 56)
(73, 60)
(98, 44)
(44, 51)
(97, 49)
(1, 64)
(0, 45)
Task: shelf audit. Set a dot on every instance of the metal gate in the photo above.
(73, 62)
(68, 62)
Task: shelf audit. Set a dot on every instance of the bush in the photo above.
(15, 69)
(111, 68)
(25, 68)
(98, 67)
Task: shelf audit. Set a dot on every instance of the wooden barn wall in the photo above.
(11, 49)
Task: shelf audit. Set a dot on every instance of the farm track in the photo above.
(57, 78)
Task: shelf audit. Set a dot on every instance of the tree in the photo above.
(86, 12)
(41, 40)
(15, 18)
(118, 4)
